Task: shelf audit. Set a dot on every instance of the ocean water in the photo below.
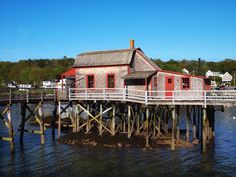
(54, 159)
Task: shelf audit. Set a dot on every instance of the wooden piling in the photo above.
(187, 123)
(113, 120)
(138, 122)
(11, 131)
(147, 127)
(159, 123)
(199, 117)
(128, 121)
(204, 140)
(173, 128)
(77, 117)
(59, 120)
(154, 126)
(177, 122)
(123, 122)
(194, 123)
(100, 120)
(54, 118)
(88, 120)
(22, 125)
(41, 125)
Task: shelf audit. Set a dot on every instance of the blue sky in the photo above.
(162, 28)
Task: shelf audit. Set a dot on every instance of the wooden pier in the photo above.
(151, 114)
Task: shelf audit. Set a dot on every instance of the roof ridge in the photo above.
(106, 51)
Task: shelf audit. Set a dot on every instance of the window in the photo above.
(110, 81)
(185, 83)
(90, 81)
(155, 81)
(169, 81)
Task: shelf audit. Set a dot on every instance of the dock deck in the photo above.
(182, 97)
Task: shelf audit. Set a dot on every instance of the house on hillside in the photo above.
(226, 78)
(48, 84)
(132, 69)
(184, 70)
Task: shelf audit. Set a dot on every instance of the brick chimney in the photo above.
(131, 44)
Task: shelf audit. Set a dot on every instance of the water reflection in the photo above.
(53, 159)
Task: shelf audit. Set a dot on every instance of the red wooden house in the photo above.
(129, 68)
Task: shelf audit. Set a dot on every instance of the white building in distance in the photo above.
(225, 78)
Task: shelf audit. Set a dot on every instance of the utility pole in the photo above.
(199, 67)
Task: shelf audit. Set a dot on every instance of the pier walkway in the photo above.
(182, 97)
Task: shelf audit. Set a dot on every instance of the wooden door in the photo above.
(169, 86)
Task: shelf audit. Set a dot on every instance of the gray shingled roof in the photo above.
(110, 57)
(139, 75)
(104, 58)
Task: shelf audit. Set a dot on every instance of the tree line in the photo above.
(34, 71)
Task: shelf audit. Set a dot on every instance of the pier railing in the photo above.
(12, 95)
(179, 97)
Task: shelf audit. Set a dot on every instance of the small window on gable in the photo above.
(110, 81)
(169, 81)
(185, 83)
(90, 81)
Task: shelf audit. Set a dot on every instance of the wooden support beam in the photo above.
(3, 119)
(59, 120)
(41, 123)
(129, 119)
(38, 132)
(204, 138)
(88, 125)
(77, 118)
(194, 123)
(147, 127)
(54, 117)
(187, 122)
(166, 119)
(113, 128)
(199, 117)
(123, 122)
(173, 128)
(133, 115)
(138, 122)
(177, 122)
(22, 125)
(73, 117)
(95, 117)
(154, 126)
(11, 132)
(100, 121)
(159, 123)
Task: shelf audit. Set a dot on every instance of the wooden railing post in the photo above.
(27, 96)
(10, 97)
(205, 98)
(41, 95)
(146, 97)
(54, 94)
(86, 93)
(104, 94)
(173, 97)
(69, 93)
(124, 94)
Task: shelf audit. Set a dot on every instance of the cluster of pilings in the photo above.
(152, 122)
